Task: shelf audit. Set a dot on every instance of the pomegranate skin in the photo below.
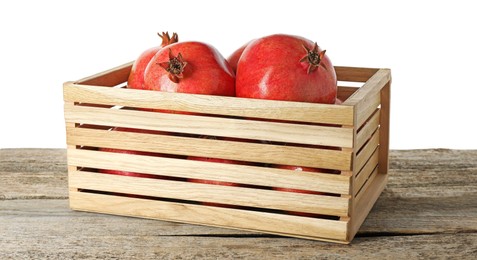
(205, 71)
(136, 76)
(234, 58)
(274, 67)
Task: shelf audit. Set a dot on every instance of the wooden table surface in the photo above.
(428, 210)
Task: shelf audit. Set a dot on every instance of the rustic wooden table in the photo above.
(428, 210)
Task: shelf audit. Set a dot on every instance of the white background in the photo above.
(429, 45)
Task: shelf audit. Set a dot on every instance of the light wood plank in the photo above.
(219, 105)
(250, 197)
(262, 176)
(367, 130)
(313, 228)
(242, 151)
(366, 152)
(367, 170)
(368, 182)
(213, 126)
(365, 201)
(384, 128)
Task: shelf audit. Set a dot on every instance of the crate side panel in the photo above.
(201, 192)
(366, 108)
(261, 176)
(367, 129)
(312, 228)
(368, 149)
(364, 203)
(366, 172)
(384, 128)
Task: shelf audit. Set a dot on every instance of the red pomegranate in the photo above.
(286, 67)
(136, 76)
(234, 58)
(190, 67)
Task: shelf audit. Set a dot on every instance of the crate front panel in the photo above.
(349, 138)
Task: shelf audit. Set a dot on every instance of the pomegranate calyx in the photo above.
(313, 58)
(166, 39)
(175, 66)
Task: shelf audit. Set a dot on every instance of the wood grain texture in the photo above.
(203, 147)
(208, 170)
(232, 106)
(213, 126)
(427, 210)
(241, 196)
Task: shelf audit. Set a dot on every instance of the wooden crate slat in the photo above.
(261, 176)
(108, 78)
(355, 74)
(312, 228)
(344, 92)
(212, 126)
(219, 105)
(367, 170)
(367, 151)
(384, 128)
(365, 201)
(368, 182)
(243, 151)
(372, 86)
(368, 129)
(366, 108)
(232, 195)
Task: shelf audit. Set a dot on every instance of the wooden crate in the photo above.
(350, 141)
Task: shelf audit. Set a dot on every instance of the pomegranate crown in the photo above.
(175, 66)
(313, 58)
(166, 39)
